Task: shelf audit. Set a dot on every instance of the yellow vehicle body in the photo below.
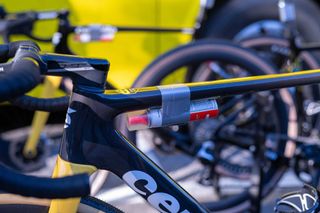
(129, 52)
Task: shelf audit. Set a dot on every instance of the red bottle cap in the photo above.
(138, 120)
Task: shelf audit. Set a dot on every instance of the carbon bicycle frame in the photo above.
(90, 138)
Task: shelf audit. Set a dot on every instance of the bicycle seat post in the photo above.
(60, 38)
(264, 109)
(287, 15)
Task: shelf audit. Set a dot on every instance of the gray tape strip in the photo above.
(175, 104)
(287, 11)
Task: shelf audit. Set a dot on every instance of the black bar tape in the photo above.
(9, 50)
(40, 187)
(3, 12)
(14, 46)
(4, 50)
(22, 76)
(42, 104)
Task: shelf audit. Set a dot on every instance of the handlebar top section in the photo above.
(36, 15)
(22, 73)
(22, 23)
(90, 72)
(9, 50)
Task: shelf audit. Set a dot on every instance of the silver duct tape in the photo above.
(47, 15)
(287, 11)
(175, 104)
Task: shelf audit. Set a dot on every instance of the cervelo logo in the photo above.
(163, 202)
(68, 118)
(77, 66)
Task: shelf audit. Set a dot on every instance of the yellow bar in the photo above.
(64, 168)
(39, 121)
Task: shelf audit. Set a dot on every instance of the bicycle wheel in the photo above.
(16, 204)
(258, 17)
(306, 97)
(12, 143)
(194, 54)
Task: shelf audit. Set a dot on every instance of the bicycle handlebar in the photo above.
(40, 187)
(41, 104)
(22, 23)
(20, 75)
(17, 78)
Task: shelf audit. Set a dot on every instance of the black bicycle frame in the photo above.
(65, 29)
(90, 137)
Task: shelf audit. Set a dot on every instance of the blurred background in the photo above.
(132, 35)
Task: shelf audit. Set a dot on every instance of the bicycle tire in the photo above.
(16, 204)
(10, 139)
(271, 40)
(309, 58)
(309, 92)
(218, 25)
(223, 51)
